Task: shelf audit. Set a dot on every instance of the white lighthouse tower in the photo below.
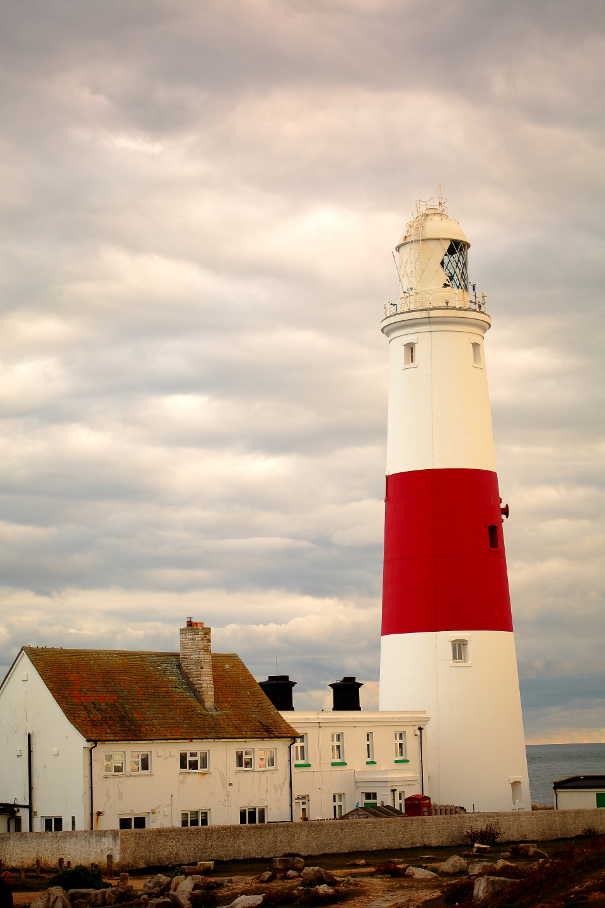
(447, 638)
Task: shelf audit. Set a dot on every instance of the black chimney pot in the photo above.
(346, 694)
(279, 690)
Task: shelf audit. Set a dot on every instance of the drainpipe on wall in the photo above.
(30, 784)
(292, 743)
(420, 730)
(91, 747)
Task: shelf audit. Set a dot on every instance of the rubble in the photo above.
(419, 873)
(486, 886)
(454, 864)
(314, 876)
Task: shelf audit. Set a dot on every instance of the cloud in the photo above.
(199, 206)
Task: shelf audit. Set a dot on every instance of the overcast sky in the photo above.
(199, 202)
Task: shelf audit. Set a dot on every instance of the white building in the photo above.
(343, 760)
(579, 792)
(119, 739)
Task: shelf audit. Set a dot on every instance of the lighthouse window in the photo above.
(492, 532)
(409, 354)
(476, 354)
(459, 650)
(455, 266)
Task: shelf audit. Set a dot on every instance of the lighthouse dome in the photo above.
(432, 223)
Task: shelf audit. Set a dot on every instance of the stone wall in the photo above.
(156, 847)
(24, 849)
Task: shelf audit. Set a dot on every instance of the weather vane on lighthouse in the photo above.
(447, 637)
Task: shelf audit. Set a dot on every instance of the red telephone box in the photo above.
(418, 806)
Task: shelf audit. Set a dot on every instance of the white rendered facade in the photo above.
(377, 755)
(159, 795)
(437, 598)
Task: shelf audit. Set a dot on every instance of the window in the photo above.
(459, 651)
(264, 759)
(401, 800)
(130, 822)
(369, 746)
(369, 798)
(250, 815)
(338, 805)
(140, 761)
(52, 824)
(17, 822)
(476, 354)
(409, 354)
(338, 747)
(301, 807)
(300, 749)
(400, 745)
(455, 265)
(194, 760)
(255, 759)
(115, 761)
(492, 534)
(194, 817)
(73, 823)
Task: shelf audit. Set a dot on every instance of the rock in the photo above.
(85, 895)
(158, 883)
(487, 886)
(160, 903)
(419, 873)
(176, 882)
(57, 898)
(182, 893)
(247, 901)
(205, 866)
(505, 865)
(454, 864)
(292, 874)
(477, 867)
(324, 892)
(288, 862)
(391, 868)
(267, 876)
(478, 848)
(124, 893)
(40, 901)
(506, 854)
(123, 879)
(315, 876)
(360, 862)
(528, 850)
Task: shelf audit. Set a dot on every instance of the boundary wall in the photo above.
(135, 849)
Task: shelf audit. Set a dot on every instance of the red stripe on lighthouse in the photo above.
(442, 570)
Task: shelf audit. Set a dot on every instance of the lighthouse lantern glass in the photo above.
(455, 265)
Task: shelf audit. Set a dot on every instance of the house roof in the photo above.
(372, 811)
(121, 695)
(579, 782)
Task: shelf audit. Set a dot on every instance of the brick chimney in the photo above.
(196, 660)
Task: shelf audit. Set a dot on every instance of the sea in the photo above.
(547, 762)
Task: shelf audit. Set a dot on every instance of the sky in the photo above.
(199, 203)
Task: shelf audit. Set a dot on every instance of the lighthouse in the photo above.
(447, 642)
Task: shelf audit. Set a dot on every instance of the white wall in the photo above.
(320, 780)
(438, 410)
(166, 790)
(475, 743)
(59, 752)
(572, 800)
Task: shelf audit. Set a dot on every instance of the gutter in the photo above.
(30, 785)
(420, 730)
(91, 747)
(292, 743)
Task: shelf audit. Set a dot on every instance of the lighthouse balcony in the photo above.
(445, 298)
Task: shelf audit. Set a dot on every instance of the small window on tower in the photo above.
(492, 532)
(477, 355)
(409, 354)
(459, 651)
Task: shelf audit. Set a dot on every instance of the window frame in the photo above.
(136, 756)
(370, 747)
(246, 811)
(401, 744)
(189, 814)
(461, 645)
(338, 805)
(191, 756)
(109, 758)
(248, 759)
(410, 354)
(477, 353)
(337, 747)
(132, 817)
(299, 751)
(55, 824)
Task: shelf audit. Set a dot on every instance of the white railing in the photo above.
(440, 299)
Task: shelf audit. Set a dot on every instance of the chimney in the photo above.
(196, 660)
(279, 690)
(346, 694)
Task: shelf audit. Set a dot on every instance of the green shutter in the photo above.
(601, 799)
